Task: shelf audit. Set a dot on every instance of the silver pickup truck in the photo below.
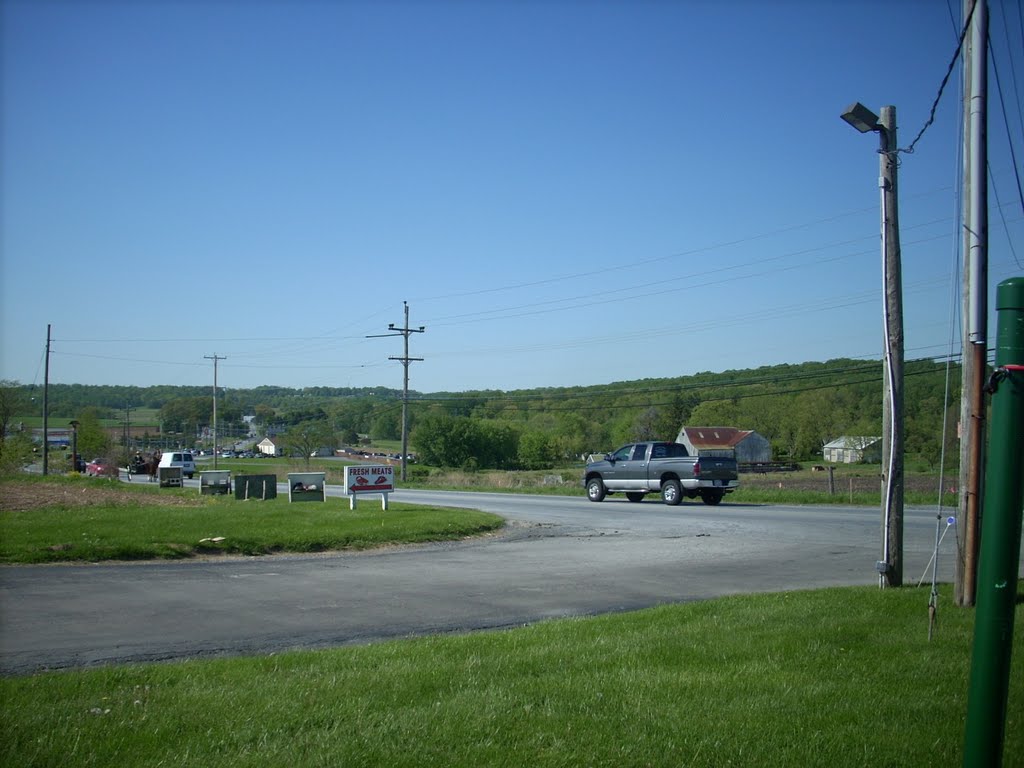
(665, 468)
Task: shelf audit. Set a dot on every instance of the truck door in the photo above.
(613, 476)
(631, 471)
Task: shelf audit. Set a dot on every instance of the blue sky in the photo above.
(565, 193)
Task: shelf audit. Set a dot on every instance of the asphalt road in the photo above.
(559, 557)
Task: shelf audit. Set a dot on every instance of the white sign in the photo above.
(369, 478)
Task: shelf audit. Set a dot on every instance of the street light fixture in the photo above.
(890, 568)
(861, 118)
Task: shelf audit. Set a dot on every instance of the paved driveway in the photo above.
(559, 557)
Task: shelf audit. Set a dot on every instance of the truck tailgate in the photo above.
(712, 468)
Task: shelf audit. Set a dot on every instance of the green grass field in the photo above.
(135, 522)
(839, 677)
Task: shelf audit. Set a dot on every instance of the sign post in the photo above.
(369, 478)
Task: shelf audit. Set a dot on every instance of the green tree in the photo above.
(442, 440)
(93, 440)
(387, 425)
(309, 437)
(673, 417)
(496, 444)
(536, 451)
(264, 414)
(645, 425)
(10, 404)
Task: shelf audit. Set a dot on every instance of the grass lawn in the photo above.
(839, 677)
(59, 519)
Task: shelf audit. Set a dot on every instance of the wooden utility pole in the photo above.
(892, 400)
(405, 360)
(46, 406)
(215, 359)
(890, 567)
(127, 430)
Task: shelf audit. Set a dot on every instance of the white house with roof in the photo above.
(271, 446)
(853, 449)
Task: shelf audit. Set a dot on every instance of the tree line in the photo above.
(798, 408)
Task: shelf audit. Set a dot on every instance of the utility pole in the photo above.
(127, 429)
(405, 360)
(892, 408)
(890, 567)
(215, 359)
(46, 406)
(975, 302)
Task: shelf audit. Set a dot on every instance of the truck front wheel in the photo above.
(671, 492)
(595, 489)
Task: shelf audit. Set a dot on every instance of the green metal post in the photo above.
(1000, 538)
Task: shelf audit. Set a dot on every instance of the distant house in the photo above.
(271, 446)
(55, 437)
(745, 445)
(851, 449)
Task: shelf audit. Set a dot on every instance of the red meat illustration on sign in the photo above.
(361, 480)
(382, 480)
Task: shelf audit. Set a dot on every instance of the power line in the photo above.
(945, 80)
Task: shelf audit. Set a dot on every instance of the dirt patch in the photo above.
(21, 497)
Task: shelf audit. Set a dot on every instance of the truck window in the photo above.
(659, 451)
(623, 453)
(640, 453)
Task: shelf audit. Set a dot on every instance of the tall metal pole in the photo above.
(975, 303)
(215, 359)
(1000, 539)
(46, 405)
(405, 360)
(892, 402)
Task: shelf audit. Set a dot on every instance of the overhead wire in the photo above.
(945, 80)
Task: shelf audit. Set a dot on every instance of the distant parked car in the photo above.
(101, 468)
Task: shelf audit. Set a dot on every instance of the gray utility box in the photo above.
(170, 477)
(215, 483)
(261, 487)
(307, 486)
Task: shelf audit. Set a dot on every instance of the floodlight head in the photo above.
(861, 118)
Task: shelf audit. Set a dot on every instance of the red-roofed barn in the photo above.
(746, 445)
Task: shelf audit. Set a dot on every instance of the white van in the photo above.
(181, 459)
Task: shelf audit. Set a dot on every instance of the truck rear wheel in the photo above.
(712, 498)
(635, 495)
(595, 489)
(671, 492)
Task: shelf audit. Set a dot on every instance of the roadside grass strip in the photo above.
(138, 525)
(837, 677)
